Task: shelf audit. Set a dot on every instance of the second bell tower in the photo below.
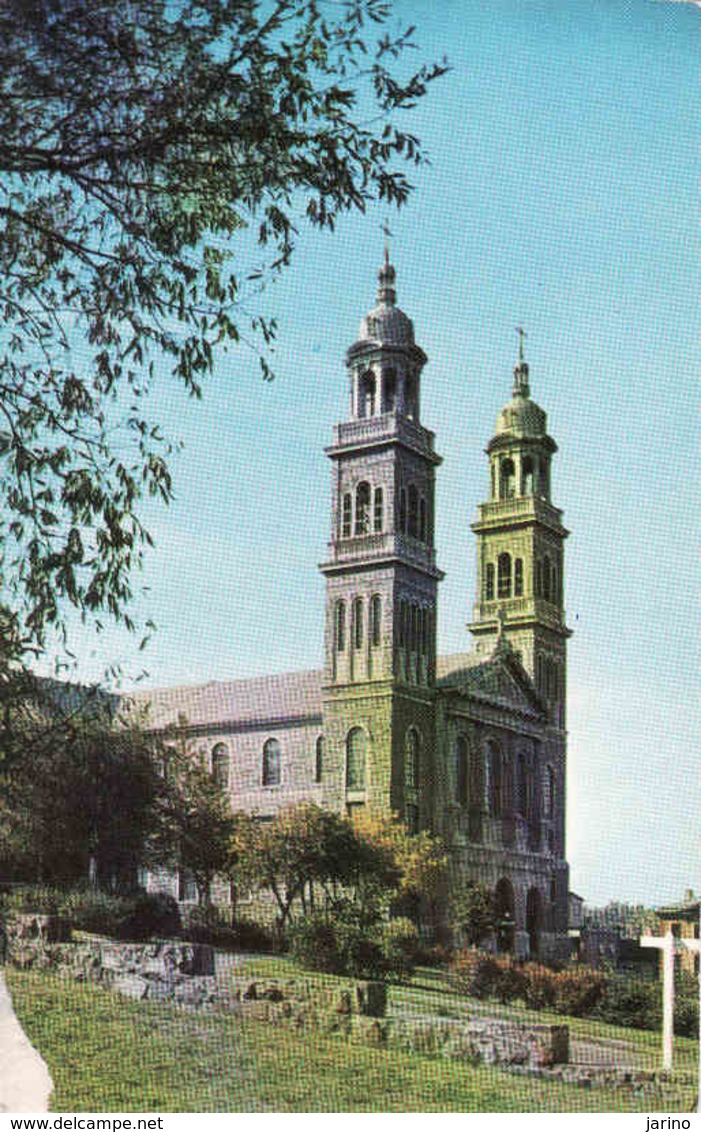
(382, 578)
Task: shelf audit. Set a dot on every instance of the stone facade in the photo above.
(471, 746)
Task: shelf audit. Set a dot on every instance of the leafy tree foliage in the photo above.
(472, 911)
(194, 825)
(77, 793)
(139, 141)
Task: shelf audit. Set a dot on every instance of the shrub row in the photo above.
(135, 917)
(581, 992)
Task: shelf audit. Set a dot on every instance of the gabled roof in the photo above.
(499, 680)
(262, 699)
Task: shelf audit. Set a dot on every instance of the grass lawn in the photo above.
(107, 1053)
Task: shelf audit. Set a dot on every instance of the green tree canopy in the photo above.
(143, 144)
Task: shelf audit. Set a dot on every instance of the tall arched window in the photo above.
(378, 511)
(271, 763)
(366, 408)
(340, 626)
(376, 621)
(411, 406)
(356, 758)
(553, 582)
(220, 765)
(518, 577)
(358, 623)
(548, 791)
(347, 516)
(362, 509)
(413, 511)
(319, 759)
(489, 582)
(422, 519)
(389, 391)
(527, 476)
(495, 778)
(412, 757)
(546, 578)
(538, 578)
(401, 627)
(402, 510)
(545, 478)
(523, 786)
(504, 575)
(462, 760)
(507, 480)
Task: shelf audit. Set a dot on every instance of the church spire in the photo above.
(521, 388)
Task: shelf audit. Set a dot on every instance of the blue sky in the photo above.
(562, 193)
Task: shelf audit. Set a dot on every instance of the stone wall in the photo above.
(195, 976)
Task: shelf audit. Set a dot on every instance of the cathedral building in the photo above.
(470, 746)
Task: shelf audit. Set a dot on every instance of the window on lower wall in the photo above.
(356, 756)
(271, 763)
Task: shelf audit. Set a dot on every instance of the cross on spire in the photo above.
(384, 227)
(521, 335)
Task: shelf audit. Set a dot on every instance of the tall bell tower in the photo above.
(382, 578)
(520, 548)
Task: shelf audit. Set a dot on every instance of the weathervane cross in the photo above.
(384, 227)
(521, 335)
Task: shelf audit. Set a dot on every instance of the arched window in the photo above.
(412, 759)
(461, 769)
(411, 397)
(518, 577)
(553, 582)
(413, 511)
(378, 511)
(319, 759)
(358, 623)
(523, 786)
(347, 516)
(422, 519)
(362, 509)
(493, 472)
(356, 757)
(548, 791)
(414, 629)
(527, 476)
(489, 582)
(366, 407)
(401, 628)
(504, 575)
(545, 579)
(538, 578)
(426, 632)
(545, 478)
(220, 765)
(539, 675)
(271, 763)
(495, 777)
(376, 621)
(340, 626)
(389, 391)
(507, 483)
(402, 510)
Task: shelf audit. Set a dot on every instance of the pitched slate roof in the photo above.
(258, 700)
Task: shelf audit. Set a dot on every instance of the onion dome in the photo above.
(386, 324)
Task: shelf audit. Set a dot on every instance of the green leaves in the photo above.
(136, 145)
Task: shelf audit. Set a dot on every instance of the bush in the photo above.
(630, 1002)
(578, 992)
(342, 947)
(249, 935)
(512, 982)
(401, 946)
(90, 910)
(150, 914)
(539, 991)
(475, 973)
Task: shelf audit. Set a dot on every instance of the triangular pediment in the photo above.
(499, 680)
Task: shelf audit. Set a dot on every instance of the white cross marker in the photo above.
(665, 944)
(695, 945)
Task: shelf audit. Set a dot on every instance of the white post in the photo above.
(695, 945)
(665, 944)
